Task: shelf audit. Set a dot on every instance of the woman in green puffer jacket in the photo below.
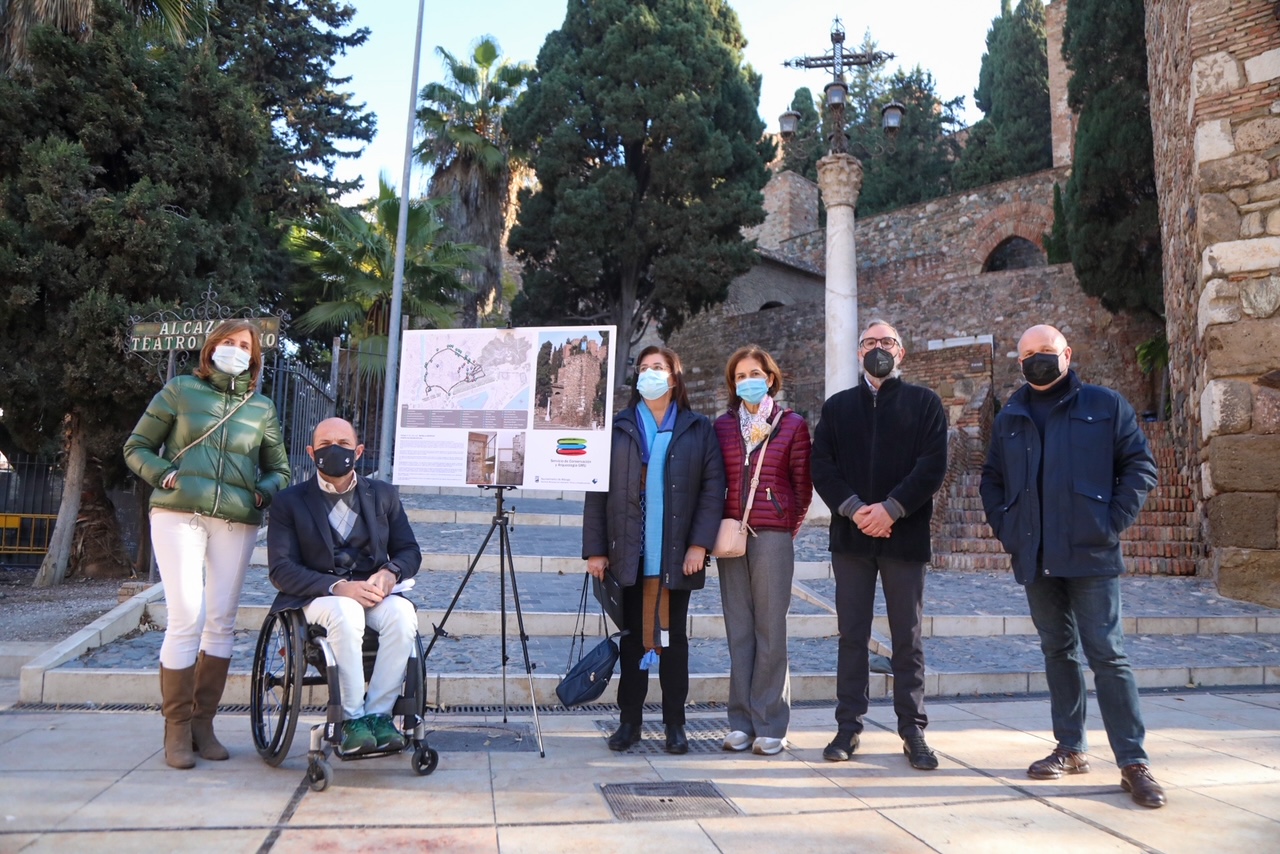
(212, 450)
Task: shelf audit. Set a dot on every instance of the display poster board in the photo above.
(530, 407)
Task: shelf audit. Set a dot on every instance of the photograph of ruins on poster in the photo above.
(527, 407)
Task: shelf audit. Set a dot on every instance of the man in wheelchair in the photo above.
(337, 546)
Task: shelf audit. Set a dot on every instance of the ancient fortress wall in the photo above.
(1214, 70)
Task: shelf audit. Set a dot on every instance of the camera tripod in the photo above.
(506, 566)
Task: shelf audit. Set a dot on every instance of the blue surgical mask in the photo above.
(653, 384)
(230, 360)
(753, 389)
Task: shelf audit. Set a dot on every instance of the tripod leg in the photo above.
(504, 548)
(439, 630)
(510, 566)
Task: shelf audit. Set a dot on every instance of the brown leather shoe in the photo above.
(1136, 779)
(1058, 763)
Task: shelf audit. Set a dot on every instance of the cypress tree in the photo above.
(1014, 138)
(1112, 219)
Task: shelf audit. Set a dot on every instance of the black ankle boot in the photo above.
(627, 736)
(676, 741)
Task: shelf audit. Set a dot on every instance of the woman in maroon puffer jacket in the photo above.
(755, 589)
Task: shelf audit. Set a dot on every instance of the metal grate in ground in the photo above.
(666, 801)
(704, 736)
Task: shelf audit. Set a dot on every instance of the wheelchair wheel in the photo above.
(319, 774)
(274, 700)
(425, 760)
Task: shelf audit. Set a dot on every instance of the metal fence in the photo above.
(359, 400)
(30, 491)
(302, 401)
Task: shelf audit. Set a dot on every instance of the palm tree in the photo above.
(352, 254)
(465, 143)
(175, 19)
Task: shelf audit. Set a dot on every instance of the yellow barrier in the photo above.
(25, 533)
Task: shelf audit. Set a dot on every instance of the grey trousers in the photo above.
(755, 590)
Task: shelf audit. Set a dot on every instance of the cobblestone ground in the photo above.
(997, 594)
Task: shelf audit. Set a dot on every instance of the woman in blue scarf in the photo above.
(650, 534)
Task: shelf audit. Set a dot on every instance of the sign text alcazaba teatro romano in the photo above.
(163, 336)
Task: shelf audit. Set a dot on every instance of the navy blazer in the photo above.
(300, 540)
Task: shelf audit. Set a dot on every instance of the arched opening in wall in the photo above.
(773, 303)
(1014, 253)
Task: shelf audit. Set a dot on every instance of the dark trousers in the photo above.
(1072, 614)
(673, 663)
(903, 583)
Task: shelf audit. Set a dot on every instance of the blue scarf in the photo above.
(654, 442)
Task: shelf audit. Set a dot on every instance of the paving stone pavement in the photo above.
(96, 781)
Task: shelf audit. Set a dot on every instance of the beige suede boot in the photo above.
(176, 691)
(211, 678)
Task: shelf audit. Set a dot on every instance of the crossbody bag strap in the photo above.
(755, 475)
(223, 420)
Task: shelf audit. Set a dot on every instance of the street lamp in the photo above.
(891, 115)
(788, 124)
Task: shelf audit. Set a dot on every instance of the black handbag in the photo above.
(586, 679)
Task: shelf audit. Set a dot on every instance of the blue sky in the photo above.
(947, 37)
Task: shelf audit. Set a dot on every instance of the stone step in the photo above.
(1159, 662)
(980, 641)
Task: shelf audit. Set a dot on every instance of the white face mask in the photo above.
(231, 360)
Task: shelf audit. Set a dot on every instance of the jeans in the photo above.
(903, 583)
(1075, 613)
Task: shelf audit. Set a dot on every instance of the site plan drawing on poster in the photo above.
(528, 407)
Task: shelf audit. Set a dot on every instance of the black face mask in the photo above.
(335, 460)
(878, 363)
(1041, 369)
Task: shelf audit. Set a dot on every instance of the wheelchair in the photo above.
(292, 655)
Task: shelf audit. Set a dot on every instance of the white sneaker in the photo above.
(737, 740)
(764, 746)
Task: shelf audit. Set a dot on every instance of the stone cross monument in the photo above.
(840, 179)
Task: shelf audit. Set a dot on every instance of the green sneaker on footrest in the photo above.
(357, 737)
(385, 733)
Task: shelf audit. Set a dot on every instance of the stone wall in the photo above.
(790, 208)
(772, 280)
(787, 332)
(920, 267)
(1217, 62)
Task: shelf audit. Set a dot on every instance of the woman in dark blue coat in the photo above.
(650, 534)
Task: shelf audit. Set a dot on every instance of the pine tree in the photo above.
(649, 158)
(127, 180)
(1014, 138)
(1112, 219)
(916, 166)
(284, 50)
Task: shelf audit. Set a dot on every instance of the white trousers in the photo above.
(344, 621)
(202, 563)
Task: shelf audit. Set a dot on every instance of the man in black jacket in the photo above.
(1067, 472)
(338, 545)
(879, 455)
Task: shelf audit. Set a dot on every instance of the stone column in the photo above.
(840, 179)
